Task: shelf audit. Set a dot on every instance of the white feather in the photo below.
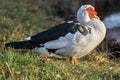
(28, 38)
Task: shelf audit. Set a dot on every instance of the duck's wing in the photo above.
(45, 36)
(54, 33)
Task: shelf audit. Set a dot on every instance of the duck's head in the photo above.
(86, 13)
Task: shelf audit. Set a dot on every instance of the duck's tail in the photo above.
(21, 45)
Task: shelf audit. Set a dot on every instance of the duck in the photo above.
(73, 39)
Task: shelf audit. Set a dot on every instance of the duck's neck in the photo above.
(84, 23)
(84, 19)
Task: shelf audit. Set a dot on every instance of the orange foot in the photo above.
(74, 60)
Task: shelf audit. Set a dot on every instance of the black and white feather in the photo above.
(73, 38)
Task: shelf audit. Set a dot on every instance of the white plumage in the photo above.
(78, 45)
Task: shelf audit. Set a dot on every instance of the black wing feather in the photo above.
(53, 33)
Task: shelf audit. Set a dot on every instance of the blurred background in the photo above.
(68, 8)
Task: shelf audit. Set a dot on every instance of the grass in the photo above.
(20, 19)
(27, 65)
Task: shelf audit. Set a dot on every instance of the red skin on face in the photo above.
(92, 13)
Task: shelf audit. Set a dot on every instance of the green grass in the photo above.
(20, 19)
(27, 65)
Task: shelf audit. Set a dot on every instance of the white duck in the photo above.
(73, 39)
